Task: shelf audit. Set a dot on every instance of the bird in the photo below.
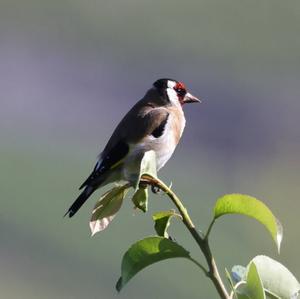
(156, 123)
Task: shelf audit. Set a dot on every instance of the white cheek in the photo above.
(173, 96)
(171, 84)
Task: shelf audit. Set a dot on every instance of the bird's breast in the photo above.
(167, 143)
(177, 122)
(163, 146)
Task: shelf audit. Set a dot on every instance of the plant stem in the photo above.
(209, 229)
(202, 242)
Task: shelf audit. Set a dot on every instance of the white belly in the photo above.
(163, 147)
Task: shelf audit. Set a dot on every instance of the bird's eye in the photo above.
(180, 91)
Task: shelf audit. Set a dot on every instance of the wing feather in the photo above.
(111, 160)
(141, 121)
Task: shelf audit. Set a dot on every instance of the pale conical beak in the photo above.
(189, 98)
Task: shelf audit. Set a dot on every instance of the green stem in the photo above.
(209, 229)
(202, 242)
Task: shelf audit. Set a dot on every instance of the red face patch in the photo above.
(180, 85)
(181, 91)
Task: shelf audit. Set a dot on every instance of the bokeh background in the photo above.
(69, 70)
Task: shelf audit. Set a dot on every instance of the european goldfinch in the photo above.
(155, 123)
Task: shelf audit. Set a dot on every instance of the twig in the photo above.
(202, 242)
(209, 229)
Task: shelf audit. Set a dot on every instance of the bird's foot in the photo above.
(155, 189)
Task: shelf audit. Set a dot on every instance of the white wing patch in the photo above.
(99, 161)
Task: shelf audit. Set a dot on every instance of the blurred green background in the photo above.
(69, 70)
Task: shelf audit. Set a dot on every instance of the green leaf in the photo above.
(253, 287)
(231, 283)
(272, 296)
(276, 278)
(140, 199)
(252, 207)
(148, 166)
(243, 296)
(106, 208)
(254, 283)
(146, 252)
(278, 282)
(162, 222)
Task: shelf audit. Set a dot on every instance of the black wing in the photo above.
(134, 126)
(110, 160)
(158, 131)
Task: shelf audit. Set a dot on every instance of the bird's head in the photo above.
(174, 92)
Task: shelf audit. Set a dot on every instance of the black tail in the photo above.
(81, 199)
